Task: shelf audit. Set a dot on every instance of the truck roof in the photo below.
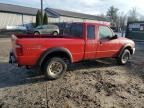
(96, 23)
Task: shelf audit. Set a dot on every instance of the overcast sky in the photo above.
(84, 6)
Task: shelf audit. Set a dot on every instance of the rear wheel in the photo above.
(55, 33)
(124, 57)
(36, 33)
(55, 68)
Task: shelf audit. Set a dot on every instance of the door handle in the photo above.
(101, 43)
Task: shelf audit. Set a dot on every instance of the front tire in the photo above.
(54, 68)
(124, 57)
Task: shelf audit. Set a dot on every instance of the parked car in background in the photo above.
(16, 28)
(8, 30)
(47, 29)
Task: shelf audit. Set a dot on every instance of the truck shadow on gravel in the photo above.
(13, 76)
(89, 64)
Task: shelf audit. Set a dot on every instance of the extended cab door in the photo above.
(91, 41)
(107, 47)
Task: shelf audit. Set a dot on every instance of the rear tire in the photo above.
(124, 57)
(54, 68)
(36, 33)
(55, 33)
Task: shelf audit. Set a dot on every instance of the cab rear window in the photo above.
(75, 30)
(91, 32)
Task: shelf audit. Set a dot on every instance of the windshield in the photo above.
(73, 29)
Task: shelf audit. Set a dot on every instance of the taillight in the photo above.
(19, 50)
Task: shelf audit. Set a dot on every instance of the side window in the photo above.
(44, 27)
(105, 32)
(91, 32)
(76, 30)
(49, 26)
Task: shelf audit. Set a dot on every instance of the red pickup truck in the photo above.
(80, 41)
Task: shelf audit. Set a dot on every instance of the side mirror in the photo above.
(114, 37)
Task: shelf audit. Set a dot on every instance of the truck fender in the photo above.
(123, 48)
(52, 50)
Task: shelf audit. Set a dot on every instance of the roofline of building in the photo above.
(18, 13)
(20, 6)
(51, 9)
(84, 18)
(136, 22)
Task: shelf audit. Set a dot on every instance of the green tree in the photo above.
(38, 18)
(112, 13)
(45, 19)
(41, 17)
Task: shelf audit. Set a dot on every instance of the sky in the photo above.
(94, 7)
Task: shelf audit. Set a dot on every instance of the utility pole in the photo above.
(41, 12)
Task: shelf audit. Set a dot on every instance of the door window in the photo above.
(105, 32)
(44, 26)
(91, 32)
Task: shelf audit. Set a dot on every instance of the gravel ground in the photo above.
(93, 84)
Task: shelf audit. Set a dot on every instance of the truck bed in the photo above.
(31, 47)
(42, 36)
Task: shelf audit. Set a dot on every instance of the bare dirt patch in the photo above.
(5, 47)
(93, 84)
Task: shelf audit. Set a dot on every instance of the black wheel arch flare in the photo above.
(52, 50)
(126, 46)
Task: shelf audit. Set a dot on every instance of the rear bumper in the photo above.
(13, 60)
(22, 60)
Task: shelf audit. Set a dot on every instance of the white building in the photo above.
(13, 15)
